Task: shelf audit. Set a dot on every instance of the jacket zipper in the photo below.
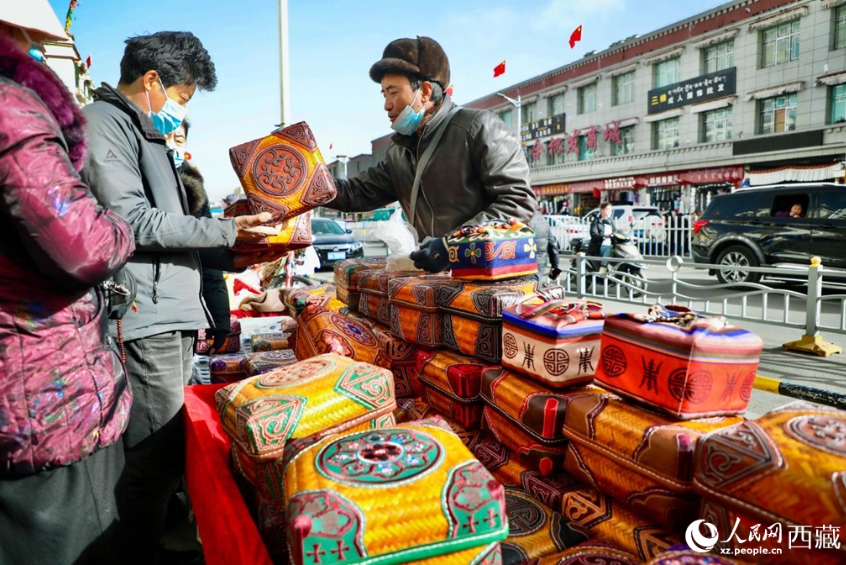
(158, 270)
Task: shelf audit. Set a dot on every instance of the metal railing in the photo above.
(805, 297)
(656, 237)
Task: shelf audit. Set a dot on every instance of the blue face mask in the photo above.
(178, 157)
(169, 117)
(408, 121)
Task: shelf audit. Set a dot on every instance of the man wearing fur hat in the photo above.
(477, 170)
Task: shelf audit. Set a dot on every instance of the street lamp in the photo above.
(284, 90)
(343, 159)
(517, 105)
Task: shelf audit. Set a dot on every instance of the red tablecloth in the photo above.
(229, 534)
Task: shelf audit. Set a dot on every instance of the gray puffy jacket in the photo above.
(130, 171)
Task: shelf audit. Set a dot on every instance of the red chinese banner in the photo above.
(585, 186)
(622, 183)
(713, 175)
(551, 189)
(664, 179)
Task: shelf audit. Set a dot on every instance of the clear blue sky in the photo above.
(332, 45)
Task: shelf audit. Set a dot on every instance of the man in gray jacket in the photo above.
(131, 171)
(477, 172)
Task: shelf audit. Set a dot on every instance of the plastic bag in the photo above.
(401, 240)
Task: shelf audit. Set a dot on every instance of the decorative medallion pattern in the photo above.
(823, 432)
(474, 501)
(694, 388)
(379, 458)
(367, 384)
(268, 421)
(613, 361)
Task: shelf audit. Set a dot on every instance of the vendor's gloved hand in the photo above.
(218, 341)
(432, 256)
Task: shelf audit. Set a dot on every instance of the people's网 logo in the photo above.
(699, 542)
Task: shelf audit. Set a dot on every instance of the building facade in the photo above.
(753, 92)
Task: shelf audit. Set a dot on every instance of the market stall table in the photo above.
(228, 532)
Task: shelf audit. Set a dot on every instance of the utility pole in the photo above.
(517, 104)
(284, 90)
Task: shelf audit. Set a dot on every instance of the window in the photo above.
(540, 161)
(840, 27)
(778, 114)
(833, 205)
(667, 134)
(719, 57)
(780, 44)
(667, 72)
(325, 227)
(626, 146)
(738, 205)
(505, 116)
(624, 88)
(838, 103)
(790, 206)
(587, 99)
(556, 104)
(585, 154)
(559, 158)
(716, 125)
(529, 112)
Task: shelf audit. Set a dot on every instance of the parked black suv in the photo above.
(778, 225)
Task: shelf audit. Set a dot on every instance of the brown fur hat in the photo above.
(422, 56)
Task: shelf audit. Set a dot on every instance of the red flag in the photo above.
(575, 36)
(88, 62)
(499, 69)
(448, 91)
(330, 146)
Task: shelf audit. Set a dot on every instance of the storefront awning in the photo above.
(714, 175)
(655, 59)
(663, 179)
(33, 15)
(775, 91)
(713, 105)
(786, 16)
(832, 79)
(621, 183)
(795, 174)
(714, 39)
(674, 113)
(586, 186)
(552, 189)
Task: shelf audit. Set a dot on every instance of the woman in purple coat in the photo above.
(64, 398)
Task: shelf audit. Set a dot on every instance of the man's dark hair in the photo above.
(437, 89)
(178, 56)
(604, 205)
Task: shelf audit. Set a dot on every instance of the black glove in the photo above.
(554, 272)
(432, 256)
(218, 340)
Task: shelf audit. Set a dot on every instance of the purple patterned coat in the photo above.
(63, 391)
